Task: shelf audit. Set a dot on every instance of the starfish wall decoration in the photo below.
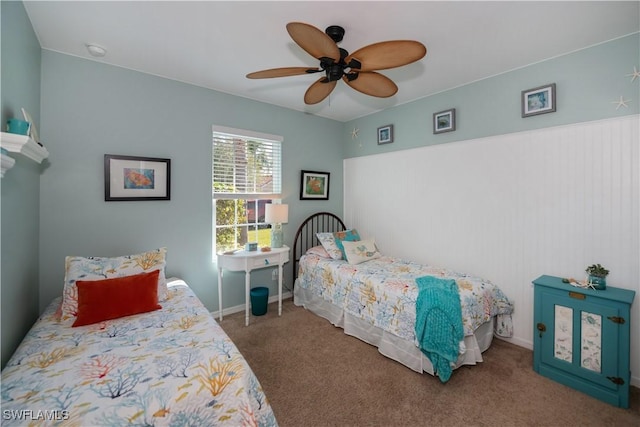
(634, 75)
(621, 102)
(354, 136)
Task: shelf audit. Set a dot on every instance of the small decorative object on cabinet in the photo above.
(581, 338)
(597, 276)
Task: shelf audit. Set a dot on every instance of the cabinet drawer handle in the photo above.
(577, 295)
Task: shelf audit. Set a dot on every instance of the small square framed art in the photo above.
(385, 134)
(539, 100)
(314, 185)
(444, 121)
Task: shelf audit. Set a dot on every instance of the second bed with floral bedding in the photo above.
(373, 297)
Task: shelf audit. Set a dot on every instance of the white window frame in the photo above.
(247, 194)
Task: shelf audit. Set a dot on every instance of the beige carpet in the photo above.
(315, 375)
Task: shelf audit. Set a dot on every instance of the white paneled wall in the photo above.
(511, 208)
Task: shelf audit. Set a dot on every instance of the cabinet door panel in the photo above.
(563, 333)
(577, 338)
(591, 341)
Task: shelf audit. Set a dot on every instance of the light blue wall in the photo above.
(21, 184)
(90, 109)
(587, 82)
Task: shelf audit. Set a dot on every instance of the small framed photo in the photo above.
(314, 185)
(444, 121)
(128, 178)
(385, 134)
(539, 100)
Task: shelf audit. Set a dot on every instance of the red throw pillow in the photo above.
(107, 299)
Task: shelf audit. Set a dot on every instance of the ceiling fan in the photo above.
(358, 70)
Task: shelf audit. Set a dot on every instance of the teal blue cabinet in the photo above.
(581, 338)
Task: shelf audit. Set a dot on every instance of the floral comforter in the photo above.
(383, 292)
(170, 367)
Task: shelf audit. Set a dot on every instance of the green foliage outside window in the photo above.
(229, 212)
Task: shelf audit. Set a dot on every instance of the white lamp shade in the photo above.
(276, 214)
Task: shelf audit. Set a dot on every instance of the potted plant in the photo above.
(597, 276)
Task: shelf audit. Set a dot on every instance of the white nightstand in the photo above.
(248, 261)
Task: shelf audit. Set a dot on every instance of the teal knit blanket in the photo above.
(439, 327)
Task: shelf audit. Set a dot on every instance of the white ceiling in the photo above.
(214, 44)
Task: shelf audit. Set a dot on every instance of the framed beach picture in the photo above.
(444, 121)
(314, 185)
(129, 178)
(385, 134)
(539, 100)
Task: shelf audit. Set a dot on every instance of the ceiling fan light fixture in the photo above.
(95, 50)
(358, 70)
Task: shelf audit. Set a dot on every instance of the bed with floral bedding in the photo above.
(373, 297)
(172, 365)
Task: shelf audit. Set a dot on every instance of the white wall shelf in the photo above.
(6, 162)
(24, 145)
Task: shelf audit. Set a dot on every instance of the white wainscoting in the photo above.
(510, 208)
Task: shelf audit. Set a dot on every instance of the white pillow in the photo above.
(328, 242)
(318, 251)
(360, 251)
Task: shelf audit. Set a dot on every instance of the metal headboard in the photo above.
(306, 235)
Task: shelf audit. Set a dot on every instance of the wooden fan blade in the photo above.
(315, 42)
(389, 54)
(282, 72)
(319, 91)
(374, 84)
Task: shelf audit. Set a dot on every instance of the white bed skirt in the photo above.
(390, 345)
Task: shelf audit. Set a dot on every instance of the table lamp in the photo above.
(276, 215)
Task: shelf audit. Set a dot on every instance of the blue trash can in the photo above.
(259, 300)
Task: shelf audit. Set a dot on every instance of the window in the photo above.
(247, 174)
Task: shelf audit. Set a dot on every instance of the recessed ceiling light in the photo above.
(95, 50)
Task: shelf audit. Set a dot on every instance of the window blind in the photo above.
(246, 164)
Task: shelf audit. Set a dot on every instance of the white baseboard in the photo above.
(238, 308)
(517, 341)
